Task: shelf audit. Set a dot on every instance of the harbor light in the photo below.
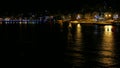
(115, 16)
(108, 15)
(78, 17)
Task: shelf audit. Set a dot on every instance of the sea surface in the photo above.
(60, 46)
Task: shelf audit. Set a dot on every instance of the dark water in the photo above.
(46, 46)
(31, 45)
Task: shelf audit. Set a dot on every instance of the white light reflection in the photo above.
(78, 34)
(76, 45)
(108, 28)
(69, 25)
(78, 26)
(107, 47)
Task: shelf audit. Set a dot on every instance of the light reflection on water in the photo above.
(85, 47)
(106, 52)
(89, 49)
(75, 38)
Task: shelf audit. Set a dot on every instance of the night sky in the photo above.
(34, 5)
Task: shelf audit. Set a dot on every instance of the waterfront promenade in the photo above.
(92, 23)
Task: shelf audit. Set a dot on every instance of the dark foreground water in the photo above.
(50, 46)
